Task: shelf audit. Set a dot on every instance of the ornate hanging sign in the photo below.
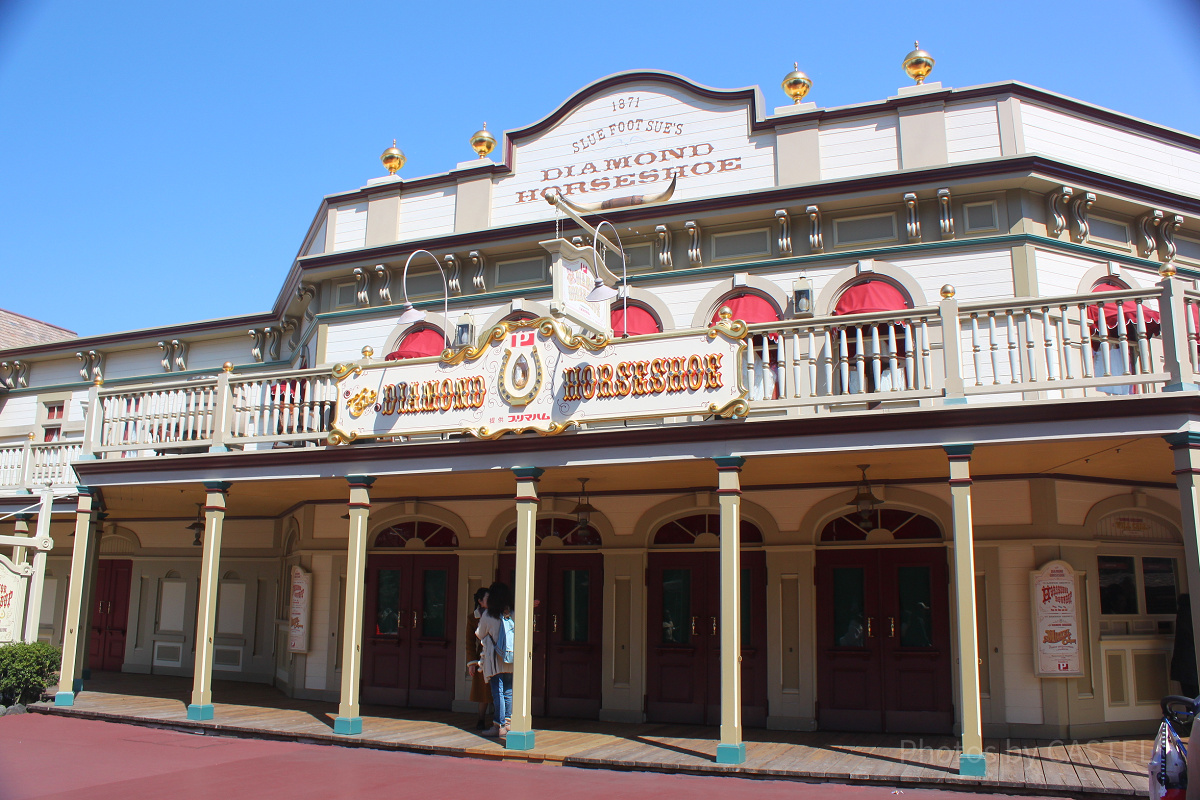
(573, 273)
(1056, 646)
(534, 375)
(14, 584)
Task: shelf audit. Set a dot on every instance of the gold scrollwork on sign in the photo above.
(361, 401)
(343, 370)
(734, 408)
(733, 328)
(487, 433)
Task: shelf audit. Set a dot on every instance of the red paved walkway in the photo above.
(55, 757)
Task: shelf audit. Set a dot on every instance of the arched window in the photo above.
(419, 343)
(1115, 350)
(685, 530)
(634, 319)
(902, 525)
(564, 528)
(431, 534)
(879, 365)
(764, 354)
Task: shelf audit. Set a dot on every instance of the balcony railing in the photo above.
(1093, 345)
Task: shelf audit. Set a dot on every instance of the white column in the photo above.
(731, 749)
(349, 719)
(75, 637)
(520, 730)
(33, 608)
(1186, 448)
(201, 707)
(971, 760)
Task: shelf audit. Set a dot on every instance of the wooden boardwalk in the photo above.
(1092, 768)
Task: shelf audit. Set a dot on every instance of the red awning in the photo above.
(870, 297)
(638, 320)
(419, 344)
(749, 308)
(1128, 308)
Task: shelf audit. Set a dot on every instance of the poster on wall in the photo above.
(14, 583)
(1056, 646)
(298, 610)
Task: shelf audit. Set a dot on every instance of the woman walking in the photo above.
(481, 693)
(495, 635)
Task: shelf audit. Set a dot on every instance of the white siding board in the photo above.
(350, 230)
(859, 147)
(985, 275)
(972, 131)
(54, 373)
(212, 353)
(316, 663)
(1022, 689)
(18, 411)
(1111, 150)
(428, 213)
(1059, 273)
(133, 364)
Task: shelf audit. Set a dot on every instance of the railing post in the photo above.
(952, 392)
(1176, 353)
(26, 464)
(93, 423)
(223, 414)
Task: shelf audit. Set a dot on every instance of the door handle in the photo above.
(892, 622)
(535, 623)
(414, 620)
(714, 625)
(694, 620)
(870, 627)
(554, 623)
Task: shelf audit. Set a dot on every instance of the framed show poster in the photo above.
(298, 610)
(1057, 652)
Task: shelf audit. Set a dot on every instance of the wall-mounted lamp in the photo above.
(464, 331)
(802, 299)
(602, 292)
(197, 527)
(864, 500)
(410, 314)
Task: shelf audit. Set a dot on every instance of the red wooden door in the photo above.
(573, 628)
(410, 627)
(684, 648)
(883, 640)
(110, 616)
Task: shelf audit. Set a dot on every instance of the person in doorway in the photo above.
(480, 692)
(1183, 658)
(494, 634)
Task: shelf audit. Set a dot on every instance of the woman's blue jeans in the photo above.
(502, 683)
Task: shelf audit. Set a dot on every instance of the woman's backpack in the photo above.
(504, 643)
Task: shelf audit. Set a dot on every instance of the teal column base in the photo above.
(1180, 387)
(77, 685)
(731, 753)
(347, 726)
(218, 448)
(200, 713)
(973, 766)
(64, 699)
(954, 401)
(519, 740)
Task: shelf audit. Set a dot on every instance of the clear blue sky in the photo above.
(162, 161)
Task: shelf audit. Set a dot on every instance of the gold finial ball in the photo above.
(796, 84)
(368, 351)
(227, 366)
(393, 158)
(550, 195)
(99, 380)
(1167, 270)
(947, 291)
(918, 64)
(725, 314)
(483, 142)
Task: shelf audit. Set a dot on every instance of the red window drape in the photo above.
(870, 297)
(749, 308)
(419, 344)
(639, 320)
(1129, 308)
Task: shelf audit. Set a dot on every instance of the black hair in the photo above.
(499, 599)
(480, 593)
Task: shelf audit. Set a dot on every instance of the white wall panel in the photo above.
(145, 362)
(212, 353)
(54, 373)
(351, 228)
(19, 410)
(1060, 273)
(972, 131)
(1111, 150)
(859, 147)
(982, 275)
(1022, 690)
(429, 213)
(316, 663)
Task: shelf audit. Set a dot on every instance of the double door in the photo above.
(883, 640)
(110, 615)
(567, 632)
(410, 628)
(684, 647)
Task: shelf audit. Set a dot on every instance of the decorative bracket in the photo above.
(306, 292)
(663, 234)
(816, 241)
(14, 374)
(914, 218)
(174, 355)
(91, 365)
(1079, 216)
(946, 220)
(385, 284)
(274, 336)
(695, 254)
(478, 263)
(1166, 230)
(1147, 239)
(259, 337)
(453, 267)
(785, 232)
(1056, 203)
(362, 282)
(291, 328)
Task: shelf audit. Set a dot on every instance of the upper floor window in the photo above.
(52, 430)
(418, 343)
(633, 319)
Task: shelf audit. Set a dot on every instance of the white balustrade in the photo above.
(164, 418)
(282, 407)
(12, 465)
(50, 463)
